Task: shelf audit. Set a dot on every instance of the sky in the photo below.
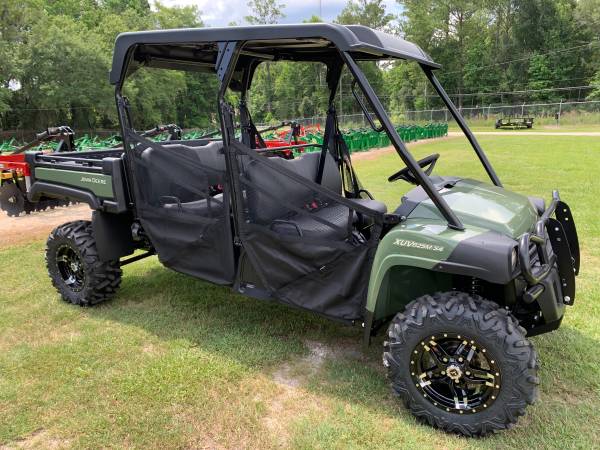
(220, 13)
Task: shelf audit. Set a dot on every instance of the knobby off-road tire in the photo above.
(75, 268)
(499, 339)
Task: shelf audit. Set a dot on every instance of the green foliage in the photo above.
(59, 53)
(265, 12)
(504, 45)
(370, 13)
(55, 56)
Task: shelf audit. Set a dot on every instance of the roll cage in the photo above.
(233, 54)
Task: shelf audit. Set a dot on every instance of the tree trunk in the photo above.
(269, 89)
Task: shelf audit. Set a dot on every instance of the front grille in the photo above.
(533, 254)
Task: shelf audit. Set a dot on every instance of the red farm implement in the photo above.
(15, 173)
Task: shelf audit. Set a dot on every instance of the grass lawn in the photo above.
(175, 362)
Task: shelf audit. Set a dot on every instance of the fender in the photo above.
(40, 188)
(419, 256)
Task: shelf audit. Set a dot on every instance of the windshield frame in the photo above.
(408, 159)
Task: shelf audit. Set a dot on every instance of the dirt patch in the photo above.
(37, 225)
(38, 439)
(295, 373)
(292, 399)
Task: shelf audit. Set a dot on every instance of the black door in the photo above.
(182, 200)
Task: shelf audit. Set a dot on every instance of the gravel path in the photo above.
(528, 133)
(37, 225)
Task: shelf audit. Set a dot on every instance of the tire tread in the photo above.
(489, 318)
(103, 278)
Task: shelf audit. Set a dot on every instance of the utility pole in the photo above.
(320, 9)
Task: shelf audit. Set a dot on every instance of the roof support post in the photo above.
(227, 58)
(462, 124)
(226, 52)
(424, 181)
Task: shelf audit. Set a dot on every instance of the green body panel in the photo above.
(415, 243)
(403, 266)
(98, 184)
(485, 206)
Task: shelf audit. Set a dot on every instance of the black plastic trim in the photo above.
(115, 168)
(112, 233)
(40, 188)
(564, 216)
(485, 256)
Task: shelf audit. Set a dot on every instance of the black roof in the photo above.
(193, 48)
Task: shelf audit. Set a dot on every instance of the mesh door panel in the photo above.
(182, 199)
(304, 238)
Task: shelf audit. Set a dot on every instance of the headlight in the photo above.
(514, 259)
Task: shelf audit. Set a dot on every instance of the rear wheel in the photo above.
(461, 363)
(75, 268)
(12, 199)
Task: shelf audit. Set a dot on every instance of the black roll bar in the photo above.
(462, 124)
(424, 181)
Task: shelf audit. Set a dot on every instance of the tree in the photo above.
(177, 17)
(595, 93)
(541, 76)
(265, 12)
(370, 13)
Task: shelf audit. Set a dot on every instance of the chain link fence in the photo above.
(557, 113)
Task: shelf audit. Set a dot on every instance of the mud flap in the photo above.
(564, 216)
(565, 260)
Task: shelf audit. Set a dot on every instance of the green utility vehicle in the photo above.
(461, 273)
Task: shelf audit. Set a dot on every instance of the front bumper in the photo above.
(549, 262)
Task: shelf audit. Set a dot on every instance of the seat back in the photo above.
(180, 171)
(210, 155)
(274, 190)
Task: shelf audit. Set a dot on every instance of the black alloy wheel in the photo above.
(461, 363)
(70, 268)
(455, 374)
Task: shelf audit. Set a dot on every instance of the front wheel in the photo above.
(75, 268)
(461, 363)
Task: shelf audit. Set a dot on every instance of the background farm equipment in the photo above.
(283, 143)
(514, 122)
(15, 175)
(15, 172)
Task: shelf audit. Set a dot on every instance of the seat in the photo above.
(189, 189)
(272, 191)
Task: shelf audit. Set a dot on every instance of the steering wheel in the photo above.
(406, 175)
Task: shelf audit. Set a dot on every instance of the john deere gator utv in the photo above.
(461, 271)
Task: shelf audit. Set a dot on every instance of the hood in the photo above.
(484, 206)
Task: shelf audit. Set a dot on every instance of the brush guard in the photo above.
(551, 251)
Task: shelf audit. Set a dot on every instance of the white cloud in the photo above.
(220, 13)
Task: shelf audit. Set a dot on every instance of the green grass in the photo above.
(175, 362)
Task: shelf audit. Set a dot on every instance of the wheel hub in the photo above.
(454, 372)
